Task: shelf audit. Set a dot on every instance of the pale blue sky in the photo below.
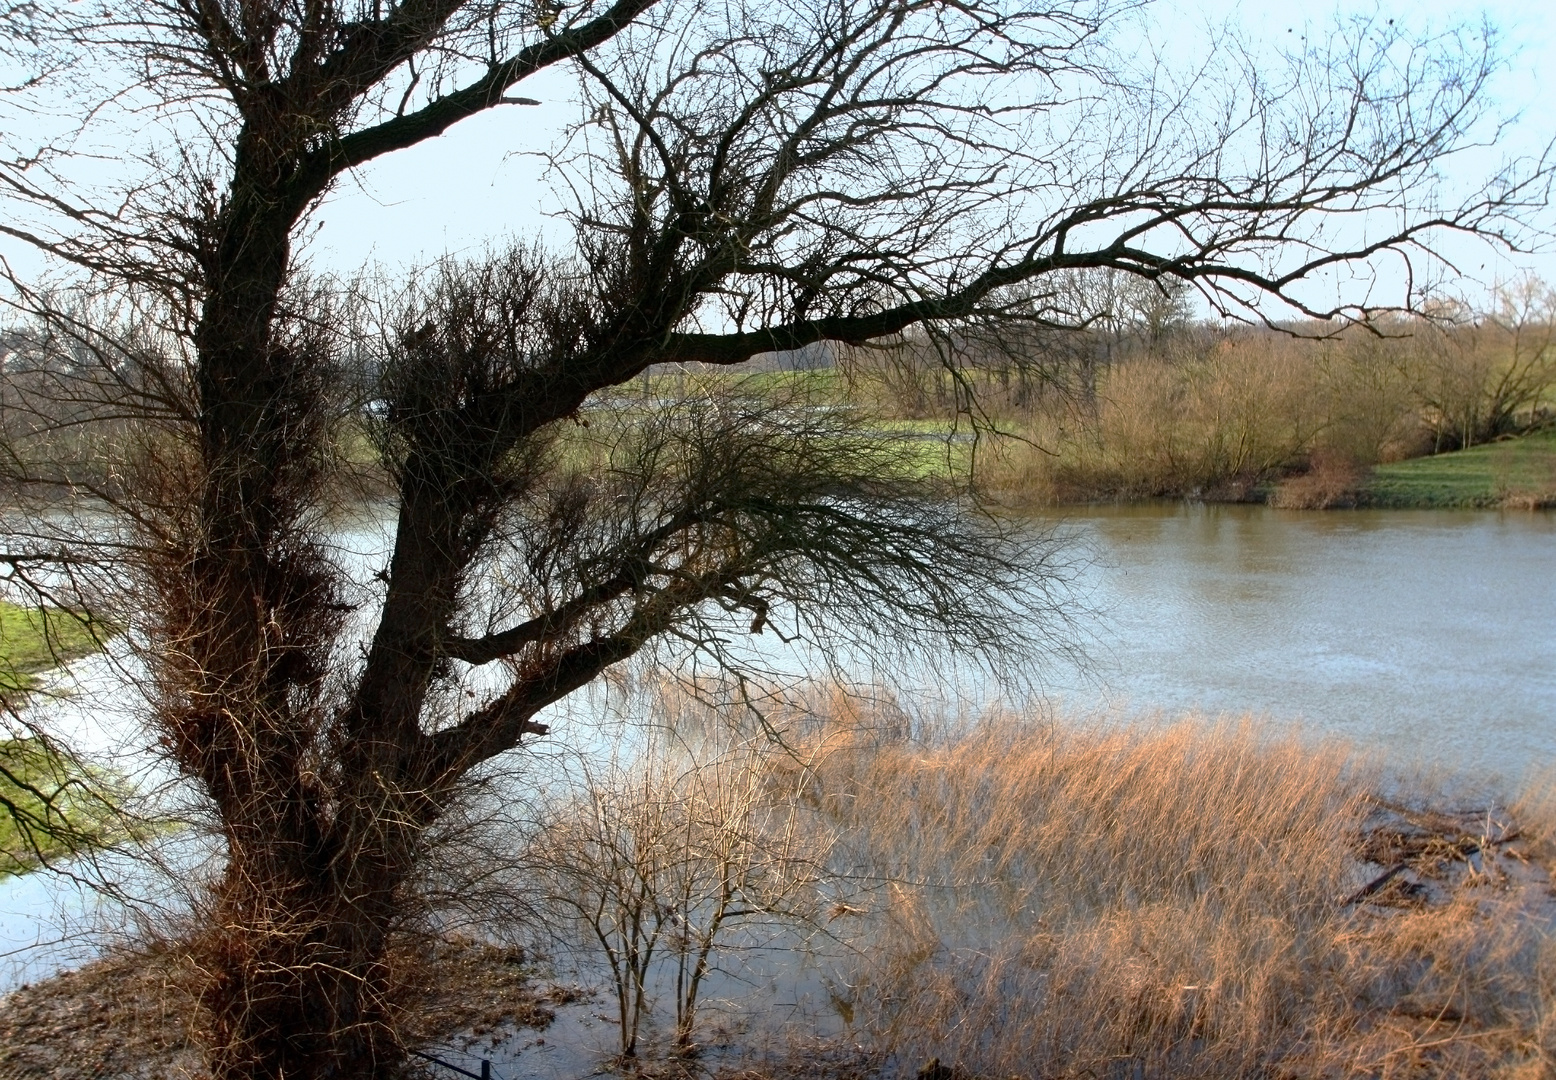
(481, 184)
(478, 184)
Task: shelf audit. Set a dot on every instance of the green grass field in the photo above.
(33, 640)
(1515, 472)
(49, 807)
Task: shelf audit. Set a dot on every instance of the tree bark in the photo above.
(297, 950)
(299, 971)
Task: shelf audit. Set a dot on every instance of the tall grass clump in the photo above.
(1064, 900)
(1164, 900)
(1019, 897)
(1535, 809)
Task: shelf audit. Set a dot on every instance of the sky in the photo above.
(482, 183)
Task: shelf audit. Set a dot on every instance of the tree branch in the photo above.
(322, 165)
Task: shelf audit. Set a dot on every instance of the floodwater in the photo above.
(1429, 635)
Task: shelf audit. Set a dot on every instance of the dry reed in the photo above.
(1535, 809)
(1162, 901)
(1017, 898)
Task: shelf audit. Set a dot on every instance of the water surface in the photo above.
(1428, 634)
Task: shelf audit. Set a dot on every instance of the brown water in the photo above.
(1428, 634)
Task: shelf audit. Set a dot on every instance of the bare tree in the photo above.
(22, 62)
(748, 178)
(661, 860)
(1489, 379)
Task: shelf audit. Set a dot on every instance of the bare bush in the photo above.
(670, 853)
(1331, 480)
(1214, 421)
(1536, 808)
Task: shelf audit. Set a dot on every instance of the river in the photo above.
(1427, 635)
(1430, 635)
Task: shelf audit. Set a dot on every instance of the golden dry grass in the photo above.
(1025, 899)
(1170, 901)
(1535, 810)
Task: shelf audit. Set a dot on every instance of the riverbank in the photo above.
(34, 640)
(133, 1015)
(1511, 474)
(1515, 473)
(50, 806)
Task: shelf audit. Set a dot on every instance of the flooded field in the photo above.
(1430, 637)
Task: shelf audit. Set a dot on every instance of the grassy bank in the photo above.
(50, 806)
(1226, 414)
(1518, 473)
(1238, 416)
(34, 640)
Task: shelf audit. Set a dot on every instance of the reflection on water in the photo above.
(763, 995)
(1429, 634)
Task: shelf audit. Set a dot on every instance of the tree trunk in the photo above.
(297, 953)
(298, 976)
(296, 956)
